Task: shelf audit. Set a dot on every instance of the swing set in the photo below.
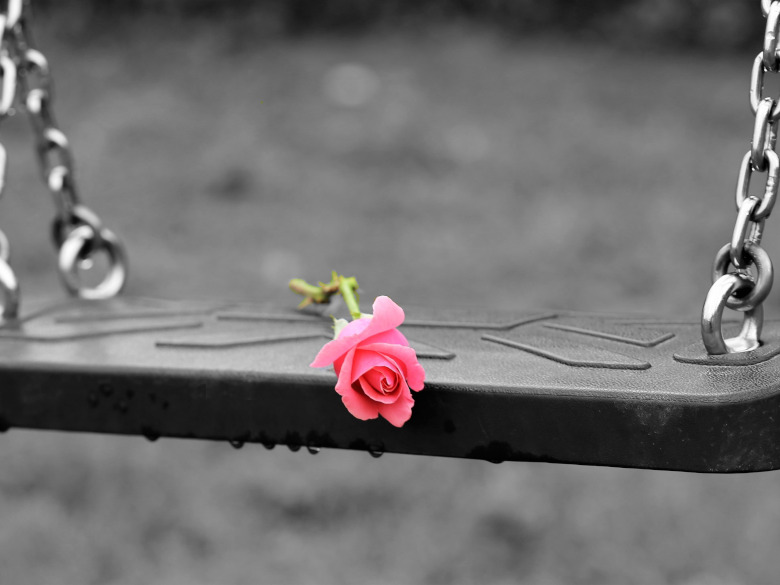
(559, 387)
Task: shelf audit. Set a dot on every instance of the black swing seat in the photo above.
(513, 386)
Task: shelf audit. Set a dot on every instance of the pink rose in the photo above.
(375, 365)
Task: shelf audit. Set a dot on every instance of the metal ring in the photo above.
(74, 217)
(763, 281)
(82, 215)
(74, 249)
(749, 337)
(741, 231)
(771, 33)
(757, 86)
(772, 183)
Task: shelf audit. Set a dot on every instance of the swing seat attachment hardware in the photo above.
(78, 233)
(79, 244)
(712, 316)
(739, 290)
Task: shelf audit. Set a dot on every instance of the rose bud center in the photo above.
(382, 379)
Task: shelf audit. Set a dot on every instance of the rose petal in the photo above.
(333, 350)
(356, 402)
(338, 364)
(359, 405)
(405, 357)
(354, 327)
(387, 316)
(384, 379)
(399, 411)
(364, 361)
(344, 383)
(392, 336)
(374, 389)
(397, 367)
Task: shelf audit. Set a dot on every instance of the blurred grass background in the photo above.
(518, 154)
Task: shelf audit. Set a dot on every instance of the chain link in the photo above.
(764, 135)
(742, 274)
(77, 232)
(746, 169)
(745, 227)
(769, 54)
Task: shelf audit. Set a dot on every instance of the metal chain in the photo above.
(747, 285)
(77, 231)
(9, 285)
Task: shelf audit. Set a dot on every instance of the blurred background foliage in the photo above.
(718, 25)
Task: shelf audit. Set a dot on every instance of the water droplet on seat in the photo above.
(376, 452)
(236, 444)
(312, 449)
(150, 434)
(294, 447)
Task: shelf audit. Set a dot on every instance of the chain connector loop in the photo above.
(765, 275)
(77, 216)
(79, 245)
(772, 183)
(712, 316)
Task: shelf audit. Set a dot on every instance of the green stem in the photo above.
(310, 291)
(347, 288)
